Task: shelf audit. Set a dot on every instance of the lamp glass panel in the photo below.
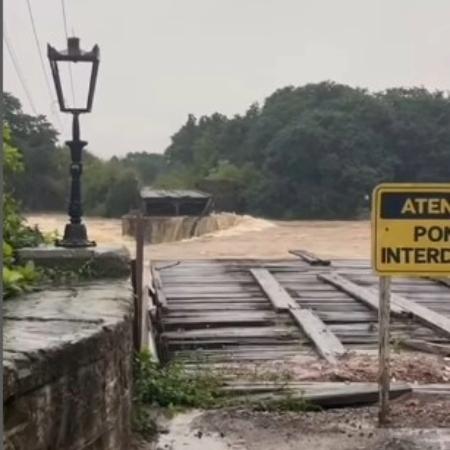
(77, 74)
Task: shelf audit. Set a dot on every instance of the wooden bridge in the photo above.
(223, 311)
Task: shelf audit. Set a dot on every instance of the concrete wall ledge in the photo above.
(68, 368)
(103, 261)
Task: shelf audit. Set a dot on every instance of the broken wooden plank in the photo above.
(425, 315)
(278, 296)
(367, 296)
(310, 258)
(325, 341)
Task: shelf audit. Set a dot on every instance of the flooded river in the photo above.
(250, 238)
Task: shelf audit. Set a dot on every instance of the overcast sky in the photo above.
(164, 59)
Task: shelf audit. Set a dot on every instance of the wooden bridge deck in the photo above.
(257, 310)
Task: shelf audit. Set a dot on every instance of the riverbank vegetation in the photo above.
(313, 151)
(17, 278)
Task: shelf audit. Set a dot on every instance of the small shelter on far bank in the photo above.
(169, 203)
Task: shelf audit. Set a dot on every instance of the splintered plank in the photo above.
(326, 342)
(422, 313)
(367, 296)
(310, 258)
(280, 299)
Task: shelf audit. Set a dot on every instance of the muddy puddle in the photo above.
(182, 434)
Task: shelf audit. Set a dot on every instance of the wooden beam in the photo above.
(310, 258)
(278, 296)
(425, 315)
(434, 390)
(326, 342)
(365, 295)
(321, 394)
(399, 304)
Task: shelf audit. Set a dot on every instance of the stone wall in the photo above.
(68, 368)
(170, 229)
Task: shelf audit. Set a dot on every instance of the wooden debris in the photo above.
(368, 296)
(310, 258)
(422, 313)
(325, 341)
(278, 296)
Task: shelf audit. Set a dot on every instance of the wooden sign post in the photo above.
(410, 237)
(384, 348)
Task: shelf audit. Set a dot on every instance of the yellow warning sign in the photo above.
(411, 229)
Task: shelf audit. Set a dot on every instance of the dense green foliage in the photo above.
(16, 234)
(172, 384)
(314, 151)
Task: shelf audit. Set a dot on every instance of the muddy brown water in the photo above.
(251, 238)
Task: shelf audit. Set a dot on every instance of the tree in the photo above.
(315, 151)
(43, 178)
(312, 151)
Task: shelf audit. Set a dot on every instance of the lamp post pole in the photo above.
(75, 234)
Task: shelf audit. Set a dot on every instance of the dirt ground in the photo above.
(414, 426)
(406, 367)
(253, 238)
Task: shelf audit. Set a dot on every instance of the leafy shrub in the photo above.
(18, 279)
(172, 384)
(16, 234)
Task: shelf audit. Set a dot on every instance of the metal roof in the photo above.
(148, 192)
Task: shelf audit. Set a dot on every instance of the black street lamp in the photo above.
(75, 234)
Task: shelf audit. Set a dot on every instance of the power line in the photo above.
(41, 58)
(63, 5)
(18, 70)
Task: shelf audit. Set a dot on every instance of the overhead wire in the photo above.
(18, 70)
(63, 7)
(41, 58)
